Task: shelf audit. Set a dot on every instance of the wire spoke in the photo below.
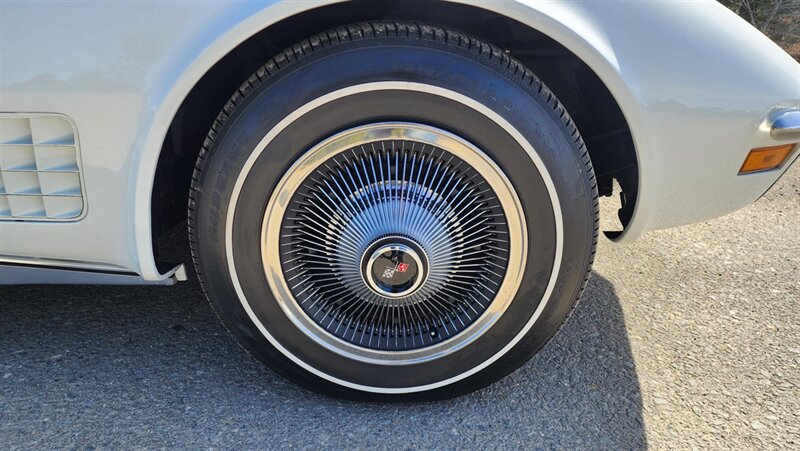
(405, 190)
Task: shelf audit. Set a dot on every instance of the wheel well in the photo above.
(592, 107)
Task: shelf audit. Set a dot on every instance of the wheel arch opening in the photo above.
(588, 101)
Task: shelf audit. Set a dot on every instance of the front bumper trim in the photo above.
(786, 125)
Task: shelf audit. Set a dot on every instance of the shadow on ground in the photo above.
(151, 366)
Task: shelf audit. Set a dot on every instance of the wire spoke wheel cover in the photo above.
(394, 243)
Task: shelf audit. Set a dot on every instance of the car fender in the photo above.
(641, 51)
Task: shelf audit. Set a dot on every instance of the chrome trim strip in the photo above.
(177, 273)
(786, 125)
(13, 274)
(65, 264)
(383, 86)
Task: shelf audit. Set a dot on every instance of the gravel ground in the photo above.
(689, 338)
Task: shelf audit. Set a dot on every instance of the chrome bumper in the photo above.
(786, 126)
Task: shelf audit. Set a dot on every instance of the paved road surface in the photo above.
(688, 338)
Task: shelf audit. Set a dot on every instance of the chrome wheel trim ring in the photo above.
(382, 86)
(401, 131)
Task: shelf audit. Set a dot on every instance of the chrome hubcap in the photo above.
(394, 267)
(391, 243)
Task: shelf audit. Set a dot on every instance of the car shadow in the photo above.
(152, 366)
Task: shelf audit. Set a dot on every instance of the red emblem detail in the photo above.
(402, 267)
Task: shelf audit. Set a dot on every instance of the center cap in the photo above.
(394, 267)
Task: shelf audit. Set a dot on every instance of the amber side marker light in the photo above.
(765, 158)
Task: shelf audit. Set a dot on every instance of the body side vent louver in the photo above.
(40, 175)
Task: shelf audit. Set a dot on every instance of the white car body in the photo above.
(698, 86)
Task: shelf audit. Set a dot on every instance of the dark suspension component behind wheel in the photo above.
(393, 210)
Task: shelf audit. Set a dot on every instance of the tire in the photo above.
(326, 256)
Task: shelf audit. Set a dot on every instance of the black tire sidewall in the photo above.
(366, 62)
